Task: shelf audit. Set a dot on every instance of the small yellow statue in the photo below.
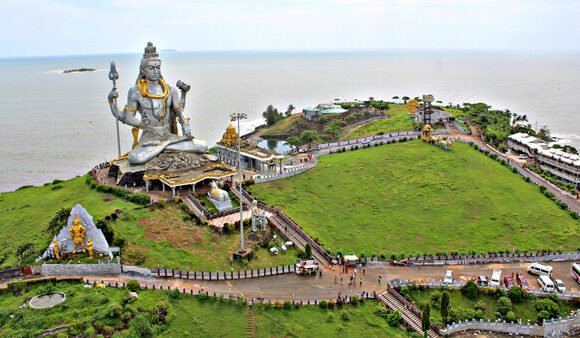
(55, 249)
(77, 231)
(90, 247)
(426, 134)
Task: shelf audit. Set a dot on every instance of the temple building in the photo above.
(310, 113)
(559, 163)
(258, 160)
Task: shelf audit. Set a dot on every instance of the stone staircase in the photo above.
(251, 331)
(412, 319)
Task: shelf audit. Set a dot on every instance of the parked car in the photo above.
(448, 277)
(302, 150)
(540, 269)
(560, 287)
(523, 156)
(508, 282)
(482, 281)
(522, 282)
(546, 284)
(495, 278)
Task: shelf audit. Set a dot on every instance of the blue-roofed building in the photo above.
(310, 113)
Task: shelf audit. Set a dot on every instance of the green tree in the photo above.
(308, 251)
(444, 308)
(426, 318)
(289, 110)
(504, 305)
(470, 290)
(516, 294)
(309, 136)
(333, 128)
(271, 115)
(405, 99)
(395, 97)
(294, 141)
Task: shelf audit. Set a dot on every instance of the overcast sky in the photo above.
(59, 27)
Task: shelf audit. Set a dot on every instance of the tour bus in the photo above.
(540, 269)
(575, 271)
(546, 283)
(495, 278)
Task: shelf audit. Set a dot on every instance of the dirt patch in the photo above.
(392, 235)
(166, 227)
(419, 238)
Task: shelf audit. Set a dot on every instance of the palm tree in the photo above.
(289, 110)
(395, 98)
(405, 99)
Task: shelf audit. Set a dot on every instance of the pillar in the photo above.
(173, 189)
(163, 186)
(147, 186)
(193, 188)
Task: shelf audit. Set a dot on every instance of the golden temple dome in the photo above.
(230, 138)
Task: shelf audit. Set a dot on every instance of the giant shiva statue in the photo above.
(160, 108)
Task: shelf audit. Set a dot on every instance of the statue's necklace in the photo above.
(143, 85)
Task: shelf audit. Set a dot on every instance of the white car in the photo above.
(559, 285)
(448, 277)
(302, 150)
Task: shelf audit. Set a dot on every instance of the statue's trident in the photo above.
(114, 76)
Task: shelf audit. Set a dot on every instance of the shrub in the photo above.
(435, 299)
(510, 316)
(278, 304)
(543, 315)
(344, 316)
(162, 203)
(394, 319)
(547, 305)
(504, 305)
(323, 304)
(470, 290)
(287, 305)
(516, 294)
(133, 285)
(480, 305)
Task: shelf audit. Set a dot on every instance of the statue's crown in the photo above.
(150, 51)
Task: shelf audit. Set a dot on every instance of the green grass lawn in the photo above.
(90, 311)
(398, 120)
(312, 321)
(153, 237)
(461, 306)
(416, 198)
(187, 316)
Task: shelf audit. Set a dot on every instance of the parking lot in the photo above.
(561, 270)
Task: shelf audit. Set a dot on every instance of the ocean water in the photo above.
(56, 125)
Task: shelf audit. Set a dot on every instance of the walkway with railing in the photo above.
(220, 276)
(409, 312)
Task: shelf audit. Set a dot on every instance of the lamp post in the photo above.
(238, 117)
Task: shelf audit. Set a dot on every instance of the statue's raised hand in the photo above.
(113, 94)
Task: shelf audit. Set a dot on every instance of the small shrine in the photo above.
(219, 197)
(254, 158)
(79, 236)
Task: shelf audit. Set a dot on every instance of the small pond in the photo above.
(47, 300)
(279, 146)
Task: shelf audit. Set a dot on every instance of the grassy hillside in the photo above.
(398, 120)
(416, 198)
(110, 311)
(156, 236)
